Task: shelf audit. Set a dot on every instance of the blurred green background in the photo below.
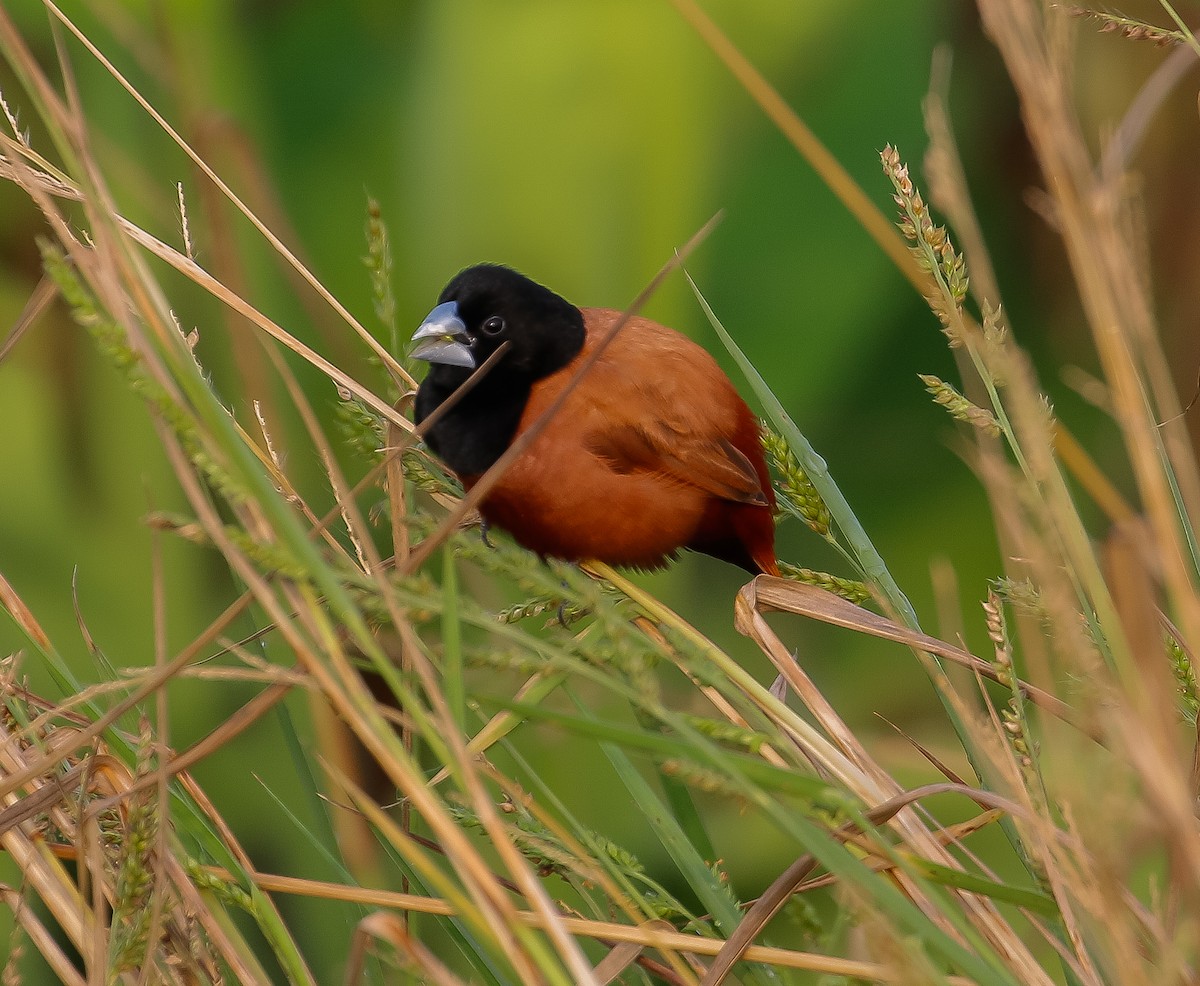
(581, 143)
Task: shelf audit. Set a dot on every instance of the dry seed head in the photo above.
(892, 166)
(1016, 728)
(997, 632)
(16, 952)
(1023, 596)
(145, 745)
(184, 226)
(22, 136)
(378, 262)
(994, 330)
(995, 342)
(931, 244)
(994, 618)
(1046, 407)
(959, 407)
(1132, 29)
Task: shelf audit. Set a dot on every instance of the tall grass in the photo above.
(463, 860)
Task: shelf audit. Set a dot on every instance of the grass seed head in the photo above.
(959, 407)
(795, 489)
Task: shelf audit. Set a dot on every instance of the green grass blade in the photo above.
(712, 892)
(1023, 897)
(739, 767)
(870, 561)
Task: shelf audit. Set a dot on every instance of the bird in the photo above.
(652, 452)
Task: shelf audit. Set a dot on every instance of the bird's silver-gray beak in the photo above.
(442, 338)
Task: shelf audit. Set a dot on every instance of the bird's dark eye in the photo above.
(493, 325)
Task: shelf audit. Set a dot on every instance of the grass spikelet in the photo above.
(21, 135)
(1184, 673)
(112, 340)
(564, 614)
(729, 732)
(185, 228)
(1023, 596)
(225, 890)
(1129, 27)
(995, 341)
(702, 779)
(796, 491)
(428, 475)
(378, 262)
(930, 244)
(959, 407)
(10, 974)
(997, 631)
(849, 589)
(135, 872)
(363, 430)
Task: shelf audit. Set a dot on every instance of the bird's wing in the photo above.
(657, 403)
(710, 464)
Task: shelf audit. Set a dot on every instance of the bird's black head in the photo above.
(482, 308)
(487, 305)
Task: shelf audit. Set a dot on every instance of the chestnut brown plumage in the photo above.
(652, 452)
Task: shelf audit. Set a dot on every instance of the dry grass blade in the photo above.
(42, 295)
(766, 593)
(619, 958)
(861, 206)
(1112, 292)
(651, 935)
(850, 764)
(200, 276)
(490, 906)
(222, 735)
(1089, 475)
(22, 615)
(928, 754)
(56, 790)
(126, 874)
(43, 185)
(794, 877)
(952, 835)
(150, 684)
(381, 352)
(60, 964)
(391, 930)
